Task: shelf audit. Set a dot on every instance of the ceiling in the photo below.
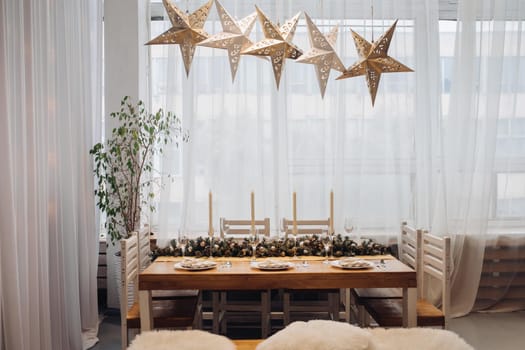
(352, 9)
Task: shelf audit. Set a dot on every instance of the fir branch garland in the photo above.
(309, 245)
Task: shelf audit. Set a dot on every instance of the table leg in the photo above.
(409, 307)
(216, 307)
(265, 313)
(146, 319)
(347, 302)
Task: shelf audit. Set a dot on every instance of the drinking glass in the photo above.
(183, 242)
(210, 234)
(224, 235)
(349, 225)
(254, 242)
(294, 237)
(327, 240)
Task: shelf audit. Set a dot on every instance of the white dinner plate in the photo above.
(355, 265)
(197, 266)
(274, 266)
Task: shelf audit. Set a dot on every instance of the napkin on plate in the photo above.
(354, 263)
(273, 264)
(194, 263)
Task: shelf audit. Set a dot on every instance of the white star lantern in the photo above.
(374, 60)
(322, 53)
(186, 30)
(233, 38)
(277, 43)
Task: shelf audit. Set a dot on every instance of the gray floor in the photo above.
(502, 331)
(109, 331)
(496, 331)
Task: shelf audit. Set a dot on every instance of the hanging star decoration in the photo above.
(374, 60)
(234, 37)
(322, 53)
(277, 43)
(186, 30)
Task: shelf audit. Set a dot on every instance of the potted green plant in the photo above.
(124, 164)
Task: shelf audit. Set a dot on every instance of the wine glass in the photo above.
(183, 242)
(210, 234)
(349, 225)
(254, 240)
(224, 235)
(294, 237)
(327, 240)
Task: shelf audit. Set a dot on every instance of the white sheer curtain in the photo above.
(435, 155)
(477, 152)
(50, 98)
(250, 136)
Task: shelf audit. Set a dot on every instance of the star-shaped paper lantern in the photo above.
(234, 37)
(277, 43)
(322, 53)
(374, 60)
(186, 30)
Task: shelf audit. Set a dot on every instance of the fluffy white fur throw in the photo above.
(330, 335)
(318, 335)
(181, 340)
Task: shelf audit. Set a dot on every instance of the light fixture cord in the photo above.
(278, 13)
(372, 11)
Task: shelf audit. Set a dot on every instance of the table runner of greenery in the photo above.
(309, 245)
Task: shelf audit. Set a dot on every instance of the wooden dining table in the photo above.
(242, 274)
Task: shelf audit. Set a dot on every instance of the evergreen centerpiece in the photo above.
(309, 245)
(124, 163)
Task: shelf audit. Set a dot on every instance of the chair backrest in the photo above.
(243, 227)
(129, 274)
(144, 248)
(410, 247)
(436, 262)
(410, 251)
(306, 226)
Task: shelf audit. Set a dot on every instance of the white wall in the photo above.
(126, 29)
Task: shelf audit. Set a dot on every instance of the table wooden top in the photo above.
(241, 275)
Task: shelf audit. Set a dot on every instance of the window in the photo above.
(378, 155)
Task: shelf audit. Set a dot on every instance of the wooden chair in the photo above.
(178, 313)
(434, 263)
(409, 251)
(314, 301)
(230, 305)
(241, 228)
(144, 260)
(304, 227)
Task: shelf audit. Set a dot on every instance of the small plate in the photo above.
(355, 265)
(197, 266)
(275, 266)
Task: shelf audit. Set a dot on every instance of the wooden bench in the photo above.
(247, 344)
(434, 261)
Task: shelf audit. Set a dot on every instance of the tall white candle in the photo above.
(294, 207)
(210, 214)
(252, 205)
(331, 212)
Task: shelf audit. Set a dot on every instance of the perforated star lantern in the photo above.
(186, 30)
(322, 53)
(374, 60)
(277, 43)
(234, 37)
